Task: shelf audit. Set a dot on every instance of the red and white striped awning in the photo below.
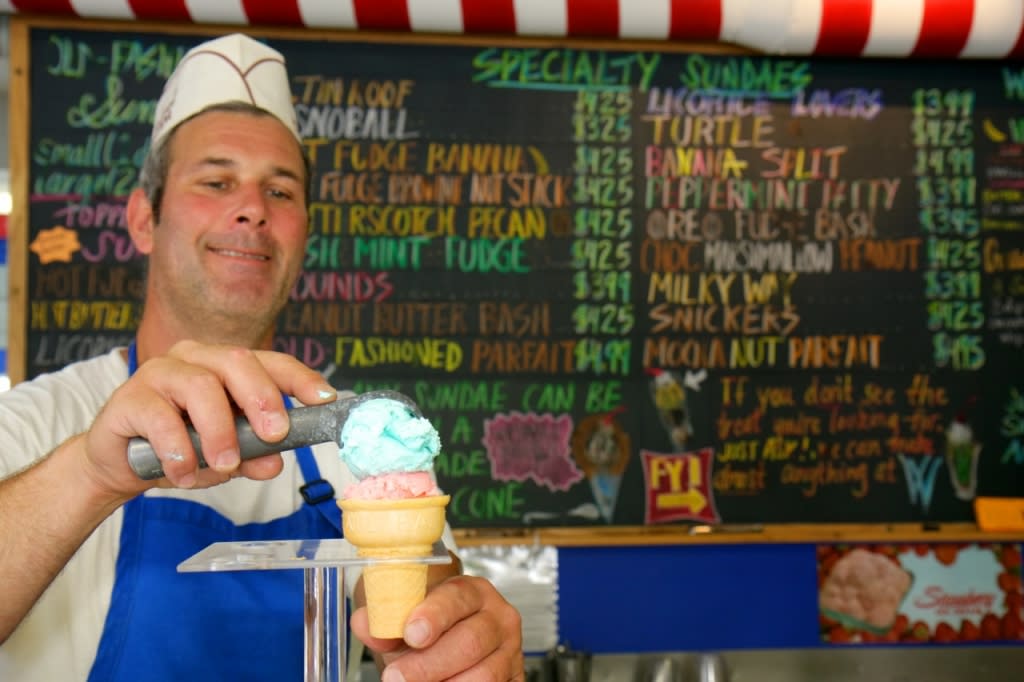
(853, 28)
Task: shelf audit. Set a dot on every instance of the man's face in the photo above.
(232, 232)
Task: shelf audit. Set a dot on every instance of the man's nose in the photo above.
(252, 206)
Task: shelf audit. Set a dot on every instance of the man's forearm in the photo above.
(46, 513)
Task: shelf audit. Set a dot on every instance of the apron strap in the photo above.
(316, 491)
(133, 358)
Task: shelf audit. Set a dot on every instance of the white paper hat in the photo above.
(227, 69)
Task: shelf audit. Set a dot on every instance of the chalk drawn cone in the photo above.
(393, 529)
(605, 488)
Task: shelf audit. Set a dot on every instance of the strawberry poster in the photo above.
(949, 592)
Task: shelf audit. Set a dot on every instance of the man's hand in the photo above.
(205, 385)
(463, 630)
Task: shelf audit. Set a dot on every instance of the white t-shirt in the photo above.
(59, 637)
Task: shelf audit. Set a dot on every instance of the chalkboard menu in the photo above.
(629, 286)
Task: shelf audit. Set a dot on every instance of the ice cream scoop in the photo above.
(308, 425)
(386, 437)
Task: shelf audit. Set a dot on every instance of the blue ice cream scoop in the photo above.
(386, 436)
(308, 425)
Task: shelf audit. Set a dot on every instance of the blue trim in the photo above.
(3, 361)
(688, 597)
(3, 251)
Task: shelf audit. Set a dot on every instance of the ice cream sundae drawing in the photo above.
(601, 449)
(962, 453)
(669, 396)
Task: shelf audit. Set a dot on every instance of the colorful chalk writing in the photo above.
(603, 316)
(840, 433)
(1002, 221)
(1011, 427)
(628, 286)
(944, 168)
(777, 78)
(563, 69)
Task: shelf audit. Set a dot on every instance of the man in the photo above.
(87, 549)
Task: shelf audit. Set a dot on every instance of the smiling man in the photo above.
(87, 549)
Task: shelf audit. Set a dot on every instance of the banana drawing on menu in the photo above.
(993, 132)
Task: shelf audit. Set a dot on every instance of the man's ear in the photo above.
(140, 221)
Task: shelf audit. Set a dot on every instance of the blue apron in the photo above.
(235, 625)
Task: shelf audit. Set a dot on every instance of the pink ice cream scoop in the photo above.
(393, 487)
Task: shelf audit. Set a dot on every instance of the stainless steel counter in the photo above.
(862, 664)
(838, 664)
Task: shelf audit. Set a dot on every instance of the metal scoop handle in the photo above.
(307, 426)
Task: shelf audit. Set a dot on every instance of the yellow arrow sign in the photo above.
(692, 499)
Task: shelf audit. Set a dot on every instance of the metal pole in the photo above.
(325, 624)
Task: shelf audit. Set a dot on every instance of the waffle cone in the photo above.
(393, 529)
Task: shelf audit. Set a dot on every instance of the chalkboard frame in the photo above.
(19, 129)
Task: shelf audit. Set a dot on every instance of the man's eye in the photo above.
(278, 193)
